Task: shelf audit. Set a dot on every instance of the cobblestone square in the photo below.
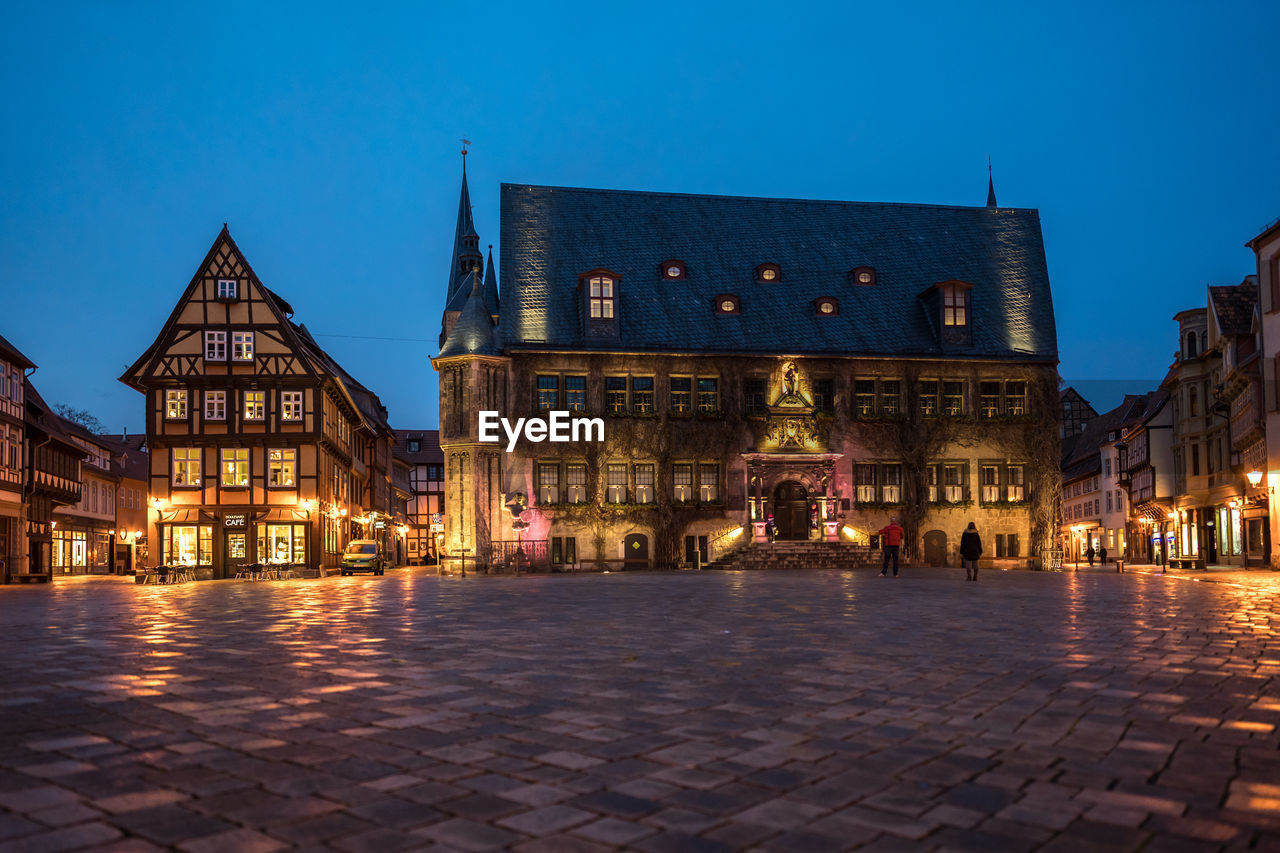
(689, 711)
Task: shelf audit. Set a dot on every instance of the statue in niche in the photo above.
(790, 377)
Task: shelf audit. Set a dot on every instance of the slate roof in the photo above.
(473, 334)
(1234, 306)
(1080, 457)
(428, 447)
(129, 455)
(552, 235)
(491, 286)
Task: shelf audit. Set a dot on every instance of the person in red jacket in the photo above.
(890, 539)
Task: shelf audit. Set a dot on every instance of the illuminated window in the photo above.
(953, 483)
(928, 398)
(891, 397)
(1017, 488)
(281, 467)
(682, 481)
(186, 466)
(863, 275)
(548, 483)
(228, 288)
(215, 405)
(575, 393)
(953, 398)
(642, 395)
(644, 483)
(767, 273)
(727, 303)
(291, 405)
(615, 394)
(235, 467)
(548, 393)
(601, 298)
(681, 394)
(673, 270)
(864, 397)
(242, 346)
(616, 483)
(891, 483)
(865, 478)
(1015, 398)
(576, 482)
(709, 482)
(828, 306)
(255, 405)
(708, 395)
(175, 405)
(955, 305)
(215, 346)
(989, 479)
(989, 399)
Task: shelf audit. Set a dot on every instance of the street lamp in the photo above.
(1254, 477)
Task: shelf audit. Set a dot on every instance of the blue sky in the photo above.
(328, 139)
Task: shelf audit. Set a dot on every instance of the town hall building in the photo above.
(821, 365)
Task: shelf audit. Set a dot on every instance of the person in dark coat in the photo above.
(1102, 555)
(970, 551)
(1090, 554)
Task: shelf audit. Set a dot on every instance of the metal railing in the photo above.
(511, 555)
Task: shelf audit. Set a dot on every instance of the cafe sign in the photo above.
(236, 522)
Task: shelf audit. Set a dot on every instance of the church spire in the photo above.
(466, 242)
(491, 286)
(991, 187)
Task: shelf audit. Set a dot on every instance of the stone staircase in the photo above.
(799, 555)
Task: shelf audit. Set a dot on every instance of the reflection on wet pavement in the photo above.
(799, 710)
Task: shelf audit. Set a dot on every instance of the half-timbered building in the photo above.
(13, 533)
(420, 450)
(262, 448)
(51, 480)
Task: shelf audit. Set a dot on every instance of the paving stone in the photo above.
(921, 722)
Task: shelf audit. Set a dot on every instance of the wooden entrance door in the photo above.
(935, 548)
(791, 510)
(636, 550)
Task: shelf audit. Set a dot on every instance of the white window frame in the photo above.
(247, 409)
(291, 405)
(233, 467)
(282, 460)
(189, 464)
(176, 406)
(215, 405)
(228, 288)
(215, 346)
(242, 346)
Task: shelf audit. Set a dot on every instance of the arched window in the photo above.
(673, 270)
(1193, 404)
(1191, 344)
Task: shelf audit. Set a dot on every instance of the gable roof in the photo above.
(428, 446)
(552, 235)
(1080, 451)
(1234, 306)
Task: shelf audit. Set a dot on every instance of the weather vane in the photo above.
(466, 143)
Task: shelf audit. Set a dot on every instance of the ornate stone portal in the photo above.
(792, 444)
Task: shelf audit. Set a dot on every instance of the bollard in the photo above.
(1119, 567)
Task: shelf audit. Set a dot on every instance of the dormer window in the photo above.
(727, 303)
(865, 276)
(955, 303)
(768, 273)
(601, 297)
(673, 270)
(827, 306)
(228, 289)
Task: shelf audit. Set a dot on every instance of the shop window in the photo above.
(282, 543)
